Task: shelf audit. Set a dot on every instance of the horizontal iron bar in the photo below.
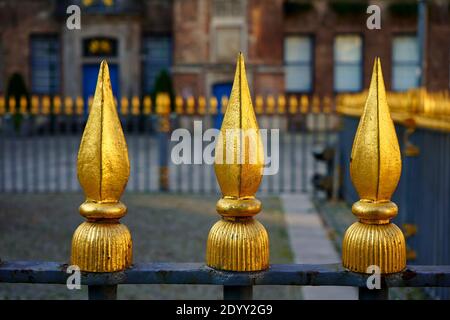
(198, 273)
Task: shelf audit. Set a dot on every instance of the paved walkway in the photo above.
(310, 244)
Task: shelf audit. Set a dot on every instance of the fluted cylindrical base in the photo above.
(241, 245)
(101, 247)
(382, 245)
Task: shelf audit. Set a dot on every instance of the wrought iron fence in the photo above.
(39, 144)
(423, 125)
(237, 254)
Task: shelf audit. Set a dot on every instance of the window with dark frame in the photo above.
(45, 64)
(298, 63)
(405, 62)
(157, 56)
(99, 6)
(228, 8)
(100, 47)
(348, 63)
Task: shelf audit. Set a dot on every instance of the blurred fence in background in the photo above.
(39, 139)
(423, 195)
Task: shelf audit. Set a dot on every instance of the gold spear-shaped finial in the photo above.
(102, 244)
(238, 242)
(375, 168)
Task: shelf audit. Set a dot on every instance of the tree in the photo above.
(16, 88)
(163, 83)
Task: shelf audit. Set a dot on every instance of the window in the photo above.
(228, 30)
(227, 8)
(405, 63)
(298, 55)
(348, 63)
(99, 6)
(100, 47)
(45, 64)
(227, 42)
(157, 57)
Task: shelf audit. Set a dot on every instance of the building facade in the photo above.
(291, 46)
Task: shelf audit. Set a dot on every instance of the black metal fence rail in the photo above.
(236, 284)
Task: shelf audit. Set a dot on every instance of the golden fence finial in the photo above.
(270, 105)
(293, 104)
(102, 244)
(68, 106)
(2, 105)
(315, 104)
(147, 105)
(45, 105)
(57, 105)
(135, 105)
(190, 105)
(259, 104)
(201, 108)
(223, 104)
(79, 105)
(163, 104)
(23, 105)
(238, 242)
(124, 106)
(281, 104)
(34, 105)
(213, 105)
(304, 104)
(375, 167)
(326, 104)
(179, 105)
(12, 104)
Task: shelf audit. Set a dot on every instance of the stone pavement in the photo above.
(310, 244)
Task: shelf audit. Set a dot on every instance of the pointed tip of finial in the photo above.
(239, 178)
(377, 72)
(375, 165)
(103, 165)
(104, 63)
(103, 68)
(240, 63)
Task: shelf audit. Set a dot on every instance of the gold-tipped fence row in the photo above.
(416, 107)
(201, 105)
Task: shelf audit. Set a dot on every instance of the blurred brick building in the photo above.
(291, 46)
